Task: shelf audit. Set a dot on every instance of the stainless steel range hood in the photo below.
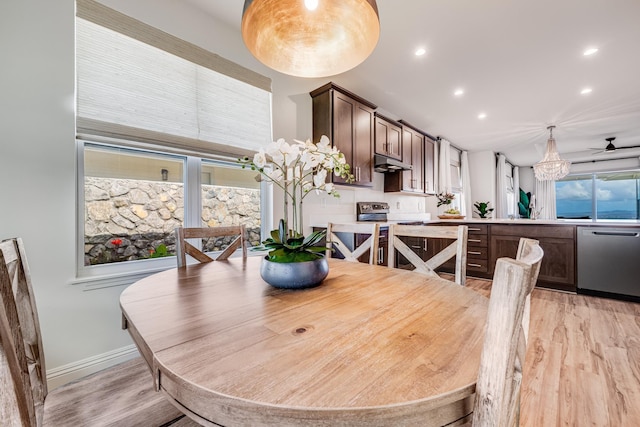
(387, 164)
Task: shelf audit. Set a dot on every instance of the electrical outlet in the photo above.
(398, 205)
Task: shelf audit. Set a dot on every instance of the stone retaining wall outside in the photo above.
(129, 219)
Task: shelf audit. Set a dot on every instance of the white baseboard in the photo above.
(72, 371)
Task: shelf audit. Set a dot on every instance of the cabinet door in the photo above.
(417, 161)
(387, 138)
(362, 162)
(558, 265)
(344, 109)
(417, 245)
(383, 247)
(429, 173)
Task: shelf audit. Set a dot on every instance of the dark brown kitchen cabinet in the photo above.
(477, 248)
(429, 165)
(413, 154)
(383, 246)
(558, 268)
(419, 245)
(348, 121)
(388, 137)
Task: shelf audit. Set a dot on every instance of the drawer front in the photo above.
(479, 265)
(478, 229)
(477, 252)
(477, 240)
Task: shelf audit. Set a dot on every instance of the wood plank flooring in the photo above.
(583, 360)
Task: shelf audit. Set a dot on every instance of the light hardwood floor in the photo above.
(583, 360)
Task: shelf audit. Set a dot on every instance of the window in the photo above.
(612, 195)
(134, 199)
(159, 122)
(230, 196)
(511, 195)
(456, 178)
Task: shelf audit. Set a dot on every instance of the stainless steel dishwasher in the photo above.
(609, 260)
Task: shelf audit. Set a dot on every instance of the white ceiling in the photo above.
(520, 62)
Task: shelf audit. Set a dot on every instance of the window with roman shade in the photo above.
(160, 125)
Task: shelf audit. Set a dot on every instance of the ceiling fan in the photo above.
(610, 148)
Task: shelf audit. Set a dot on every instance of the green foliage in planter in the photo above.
(483, 209)
(296, 248)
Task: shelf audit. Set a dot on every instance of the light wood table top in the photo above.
(370, 346)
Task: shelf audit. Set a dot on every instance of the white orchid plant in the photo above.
(298, 169)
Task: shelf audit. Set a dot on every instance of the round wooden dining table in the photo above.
(370, 346)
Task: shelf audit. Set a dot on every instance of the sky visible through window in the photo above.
(616, 196)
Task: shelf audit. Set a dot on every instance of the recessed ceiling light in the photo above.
(482, 116)
(586, 91)
(590, 51)
(459, 92)
(420, 51)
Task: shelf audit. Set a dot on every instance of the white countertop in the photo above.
(522, 221)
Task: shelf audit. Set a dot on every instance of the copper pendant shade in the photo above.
(293, 37)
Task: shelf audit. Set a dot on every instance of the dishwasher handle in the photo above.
(616, 233)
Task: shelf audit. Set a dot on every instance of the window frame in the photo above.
(192, 182)
(593, 177)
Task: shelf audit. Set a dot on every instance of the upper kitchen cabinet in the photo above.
(348, 121)
(388, 137)
(429, 165)
(413, 150)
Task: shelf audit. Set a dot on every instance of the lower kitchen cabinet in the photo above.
(358, 239)
(383, 246)
(488, 242)
(419, 245)
(558, 268)
(477, 249)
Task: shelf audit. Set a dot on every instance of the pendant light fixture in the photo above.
(551, 167)
(310, 38)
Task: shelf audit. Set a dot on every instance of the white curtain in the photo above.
(545, 199)
(501, 187)
(444, 167)
(516, 189)
(466, 206)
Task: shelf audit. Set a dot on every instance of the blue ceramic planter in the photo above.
(294, 275)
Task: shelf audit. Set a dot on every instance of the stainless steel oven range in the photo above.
(372, 211)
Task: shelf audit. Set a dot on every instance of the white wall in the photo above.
(37, 162)
(482, 173)
(37, 168)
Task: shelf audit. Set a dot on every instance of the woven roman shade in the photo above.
(138, 83)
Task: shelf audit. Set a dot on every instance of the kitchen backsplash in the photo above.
(320, 209)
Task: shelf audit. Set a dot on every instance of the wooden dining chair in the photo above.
(371, 244)
(184, 248)
(497, 398)
(525, 246)
(457, 248)
(121, 395)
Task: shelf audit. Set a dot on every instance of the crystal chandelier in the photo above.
(310, 38)
(551, 167)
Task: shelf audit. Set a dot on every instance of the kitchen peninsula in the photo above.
(564, 267)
